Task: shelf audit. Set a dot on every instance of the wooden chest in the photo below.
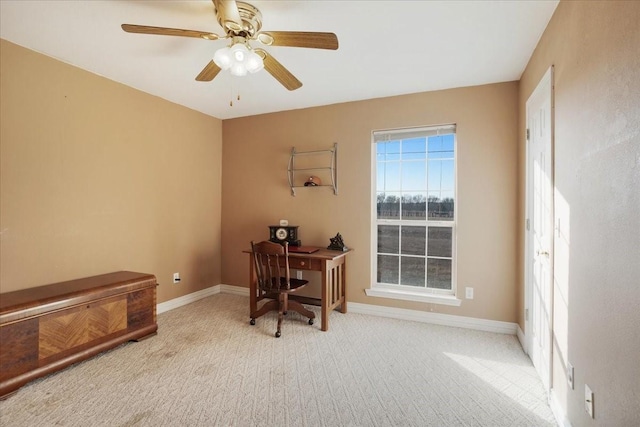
(47, 328)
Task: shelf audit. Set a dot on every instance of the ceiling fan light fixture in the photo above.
(238, 69)
(239, 52)
(254, 62)
(223, 58)
(239, 59)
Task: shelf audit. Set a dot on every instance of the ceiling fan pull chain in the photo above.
(233, 83)
(234, 89)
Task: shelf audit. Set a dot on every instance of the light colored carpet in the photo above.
(208, 367)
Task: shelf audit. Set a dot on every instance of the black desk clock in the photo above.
(286, 233)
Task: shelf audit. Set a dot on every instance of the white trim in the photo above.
(354, 307)
(235, 290)
(187, 299)
(558, 412)
(523, 339)
(383, 135)
(527, 230)
(413, 296)
(198, 295)
(434, 318)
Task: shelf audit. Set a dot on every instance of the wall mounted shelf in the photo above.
(320, 163)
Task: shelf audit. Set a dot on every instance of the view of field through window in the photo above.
(415, 202)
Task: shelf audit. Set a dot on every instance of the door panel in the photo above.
(540, 238)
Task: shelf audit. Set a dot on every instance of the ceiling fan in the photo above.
(242, 23)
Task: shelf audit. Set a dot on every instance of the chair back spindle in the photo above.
(271, 262)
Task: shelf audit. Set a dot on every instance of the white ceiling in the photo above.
(386, 47)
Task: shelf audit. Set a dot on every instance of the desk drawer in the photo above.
(304, 263)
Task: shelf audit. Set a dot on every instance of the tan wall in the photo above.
(256, 194)
(594, 47)
(98, 177)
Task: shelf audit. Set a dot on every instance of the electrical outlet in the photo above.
(298, 274)
(588, 400)
(468, 293)
(570, 375)
(176, 277)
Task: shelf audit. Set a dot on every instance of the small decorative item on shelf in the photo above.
(313, 181)
(337, 244)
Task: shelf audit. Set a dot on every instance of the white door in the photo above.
(539, 239)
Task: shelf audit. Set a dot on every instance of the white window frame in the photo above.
(405, 292)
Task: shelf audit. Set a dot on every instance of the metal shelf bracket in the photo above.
(332, 168)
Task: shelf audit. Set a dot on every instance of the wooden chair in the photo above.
(271, 263)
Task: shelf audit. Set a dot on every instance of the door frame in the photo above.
(545, 83)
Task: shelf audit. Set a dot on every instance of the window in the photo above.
(414, 212)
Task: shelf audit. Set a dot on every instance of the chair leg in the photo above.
(282, 299)
(296, 306)
(267, 307)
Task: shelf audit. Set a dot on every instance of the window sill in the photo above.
(414, 296)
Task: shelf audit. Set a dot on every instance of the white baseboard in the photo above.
(558, 412)
(435, 318)
(374, 310)
(187, 299)
(235, 290)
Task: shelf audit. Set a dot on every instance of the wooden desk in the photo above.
(331, 264)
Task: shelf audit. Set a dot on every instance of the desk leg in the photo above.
(334, 289)
(343, 286)
(324, 298)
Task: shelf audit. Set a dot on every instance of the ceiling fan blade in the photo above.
(145, 29)
(228, 14)
(209, 72)
(299, 39)
(278, 71)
